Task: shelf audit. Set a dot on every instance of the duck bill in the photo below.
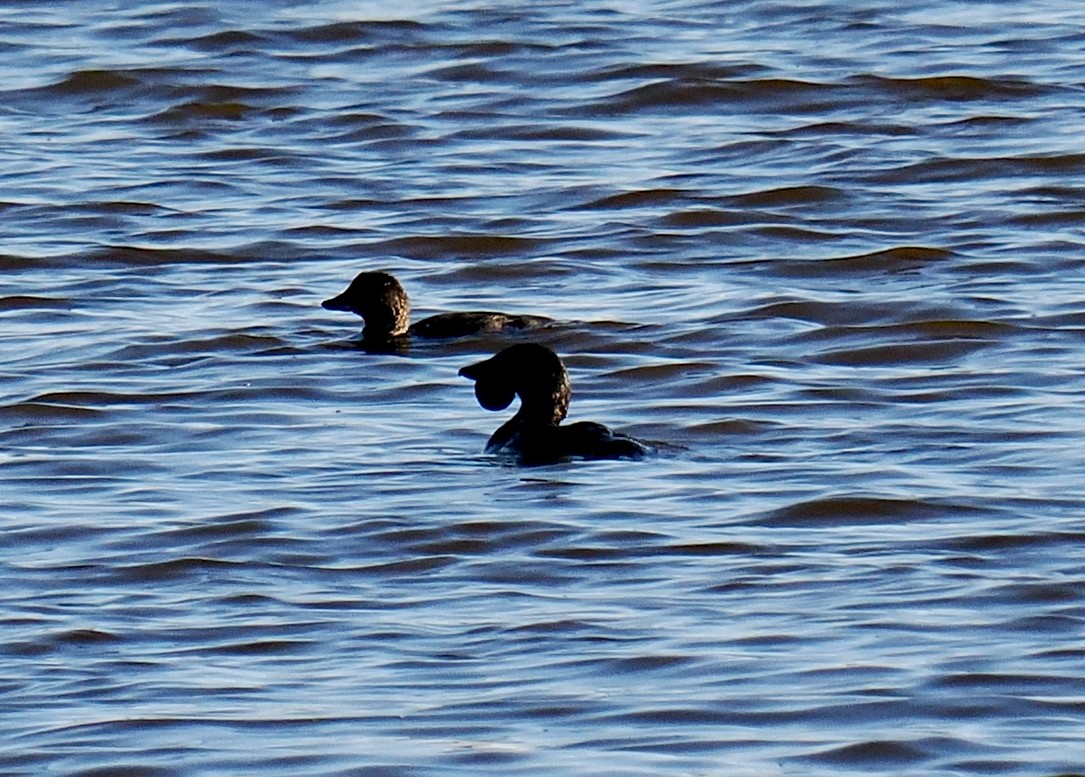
(336, 303)
(474, 371)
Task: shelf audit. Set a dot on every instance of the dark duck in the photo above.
(535, 434)
(382, 303)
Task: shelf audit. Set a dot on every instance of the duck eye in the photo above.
(494, 394)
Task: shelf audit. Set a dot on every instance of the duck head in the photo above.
(381, 302)
(532, 372)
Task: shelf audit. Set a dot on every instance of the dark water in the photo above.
(830, 253)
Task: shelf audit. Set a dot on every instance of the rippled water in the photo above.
(828, 255)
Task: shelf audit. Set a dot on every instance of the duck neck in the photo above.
(385, 324)
(544, 405)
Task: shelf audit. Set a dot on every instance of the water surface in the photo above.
(828, 255)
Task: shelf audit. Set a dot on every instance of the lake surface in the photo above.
(828, 256)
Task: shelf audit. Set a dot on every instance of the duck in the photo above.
(535, 435)
(382, 303)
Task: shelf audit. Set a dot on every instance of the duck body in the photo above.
(581, 440)
(476, 322)
(534, 435)
(382, 303)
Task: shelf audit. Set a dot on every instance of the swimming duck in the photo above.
(382, 303)
(534, 435)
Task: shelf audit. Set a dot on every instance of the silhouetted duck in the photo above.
(533, 435)
(382, 303)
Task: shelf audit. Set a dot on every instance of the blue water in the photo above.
(827, 257)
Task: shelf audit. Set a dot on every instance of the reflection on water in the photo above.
(827, 256)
